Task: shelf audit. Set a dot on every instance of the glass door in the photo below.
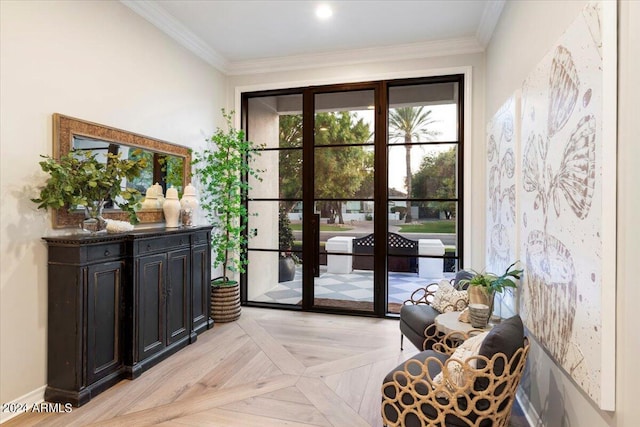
(274, 252)
(343, 200)
(360, 199)
(424, 154)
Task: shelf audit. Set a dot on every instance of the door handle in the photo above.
(315, 221)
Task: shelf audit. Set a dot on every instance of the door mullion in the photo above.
(311, 246)
(380, 201)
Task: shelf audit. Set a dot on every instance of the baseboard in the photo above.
(21, 404)
(529, 411)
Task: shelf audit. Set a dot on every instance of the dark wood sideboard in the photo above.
(121, 303)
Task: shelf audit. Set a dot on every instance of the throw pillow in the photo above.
(447, 298)
(506, 337)
(460, 275)
(457, 375)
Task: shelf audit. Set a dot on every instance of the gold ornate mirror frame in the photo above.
(65, 128)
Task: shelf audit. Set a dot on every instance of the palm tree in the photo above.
(407, 123)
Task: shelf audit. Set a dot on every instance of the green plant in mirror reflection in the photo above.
(171, 168)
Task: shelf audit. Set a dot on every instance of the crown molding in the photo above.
(155, 14)
(489, 20)
(428, 49)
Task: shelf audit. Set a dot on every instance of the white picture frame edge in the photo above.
(609, 204)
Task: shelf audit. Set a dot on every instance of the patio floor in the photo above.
(354, 286)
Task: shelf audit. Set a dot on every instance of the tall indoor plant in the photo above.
(223, 169)
(80, 179)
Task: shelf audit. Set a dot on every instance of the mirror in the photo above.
(168, 164)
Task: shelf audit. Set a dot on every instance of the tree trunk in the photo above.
(408, 218)
(339, 209)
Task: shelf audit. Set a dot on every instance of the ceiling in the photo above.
(245, 36)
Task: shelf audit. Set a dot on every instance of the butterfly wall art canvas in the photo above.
(503, 132)
(567, 203)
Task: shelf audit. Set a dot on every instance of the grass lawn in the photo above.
(438, 226)
(324, 227)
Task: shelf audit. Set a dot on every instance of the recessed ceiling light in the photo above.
(323, 11)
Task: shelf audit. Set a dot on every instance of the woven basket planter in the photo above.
(225, 303)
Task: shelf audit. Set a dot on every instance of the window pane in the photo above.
(430, 220)
(344, 172)
(344, 118)
(290, 174)
(275, 269)
(275, 121)
(422, 113)
(434, 171)
(266, 216)
(274, 278)
(288, 182)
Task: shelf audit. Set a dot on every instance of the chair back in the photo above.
(484, 399)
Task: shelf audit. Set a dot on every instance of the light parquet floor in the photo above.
(269, 368)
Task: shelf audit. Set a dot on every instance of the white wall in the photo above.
(525, 32)
(97, 61)
(474, 145)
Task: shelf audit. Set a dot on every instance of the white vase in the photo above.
(189, 198)
(171, 209)
(150, 199)
(189, 203)
(159, 196)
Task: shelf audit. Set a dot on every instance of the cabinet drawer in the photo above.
(200, 238)
(162, 244)
(108, 251)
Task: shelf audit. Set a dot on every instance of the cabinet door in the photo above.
(151, 311)
(200, 288)
(104, 320)
(178, 295)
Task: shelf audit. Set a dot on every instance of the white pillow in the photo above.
(447, 298)
(457, 376)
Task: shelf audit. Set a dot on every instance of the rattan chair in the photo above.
(417, 316)
(411, 398)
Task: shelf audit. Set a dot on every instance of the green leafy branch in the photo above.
(491, 282)
(223, 168)
(80, 179)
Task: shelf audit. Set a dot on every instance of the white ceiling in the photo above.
(245, 36)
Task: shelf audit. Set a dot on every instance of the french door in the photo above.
(341, 197)
(358, 202)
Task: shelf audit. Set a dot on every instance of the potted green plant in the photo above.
(80, 179)
(222, 169)
(286, 260)
(482, 287)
